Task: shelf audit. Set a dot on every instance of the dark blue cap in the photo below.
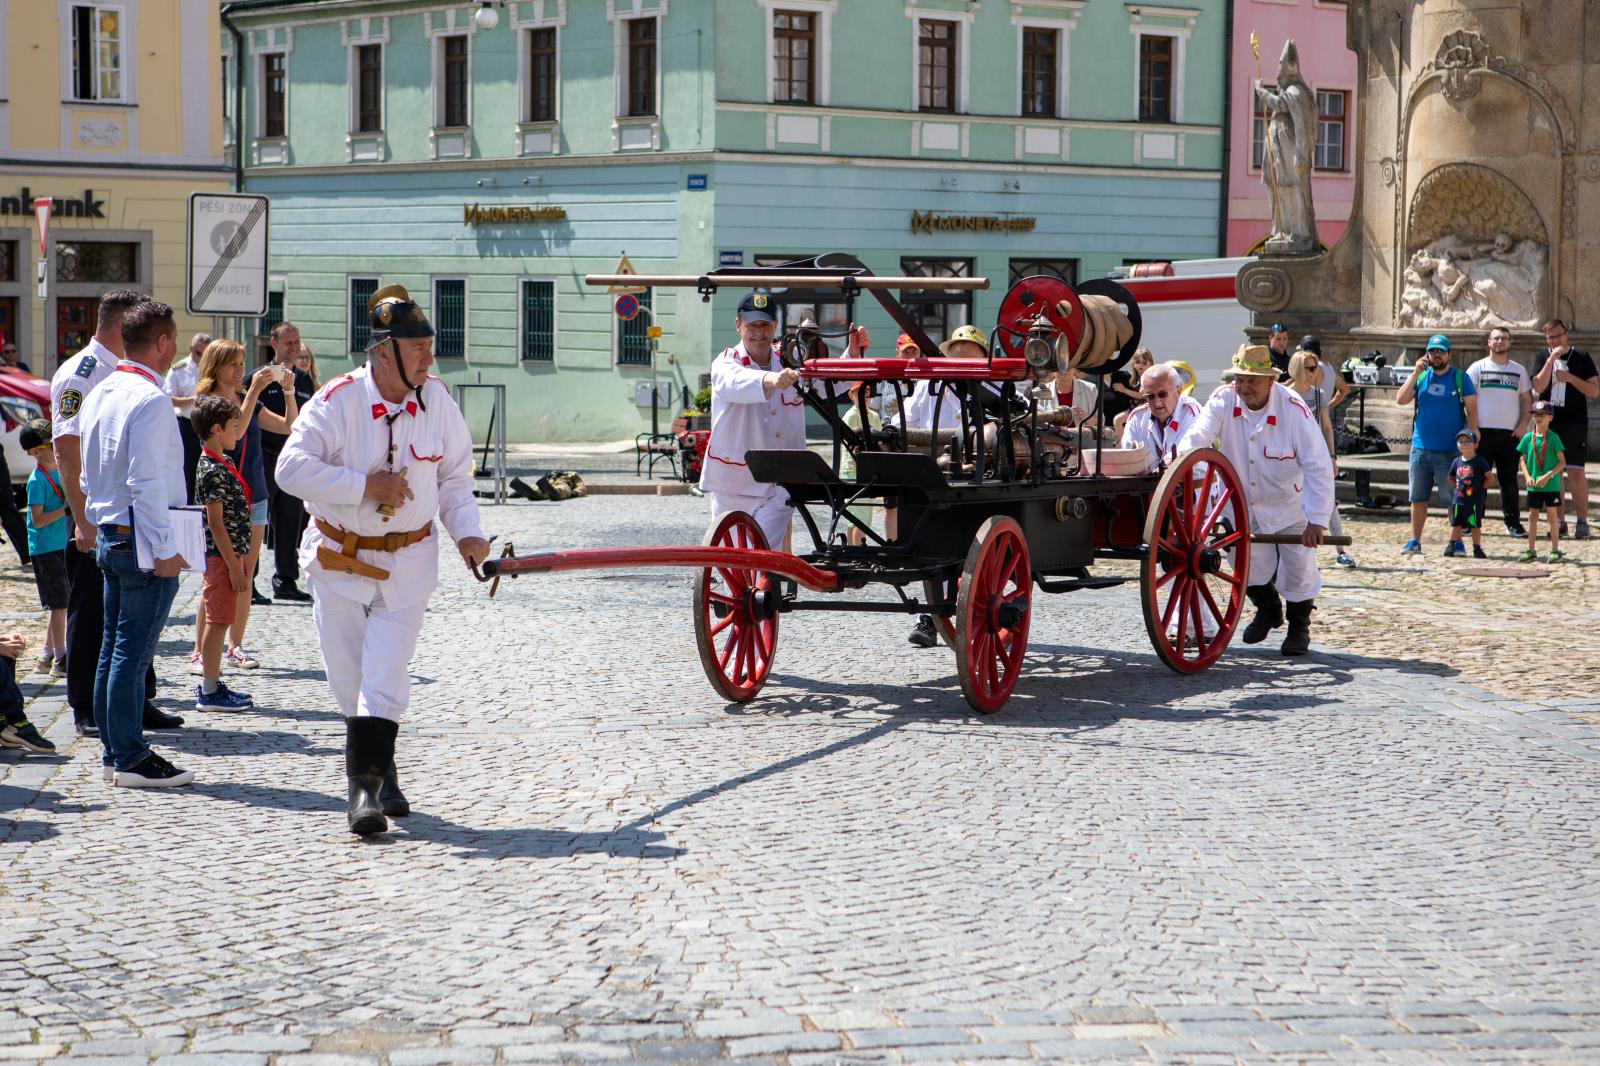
(757, 307)
(1279, 327)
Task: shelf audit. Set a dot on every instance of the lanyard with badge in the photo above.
(225, 461)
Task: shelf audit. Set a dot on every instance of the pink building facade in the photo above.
(1318, 30)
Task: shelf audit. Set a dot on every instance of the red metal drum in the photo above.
(1027, 299)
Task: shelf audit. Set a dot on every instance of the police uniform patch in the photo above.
(71, 400)
(85, 368)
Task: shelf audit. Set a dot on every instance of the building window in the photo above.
(1333, 109)
(794, 46)
(936, 66)
(8, 260)
(641, 67)
(273, 78)
(96, 52)
(1062, 269)
(455, 80)
(99, 262)
(369, 88)
(1155, 78)
(542, 75)
(937, 311)
(450, 318)
(274, 313)
(227, 95)
(538, 322)
(633, 338)
(361, 290)
(1039, 72)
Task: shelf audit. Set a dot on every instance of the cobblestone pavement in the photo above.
(1350, 857)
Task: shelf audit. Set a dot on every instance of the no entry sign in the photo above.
(227, 256)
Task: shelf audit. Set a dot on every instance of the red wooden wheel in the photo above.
(1035, 294)
(735, 614)
(934, 592)
(992, 611)
(1192, 580)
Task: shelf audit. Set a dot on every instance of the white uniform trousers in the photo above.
(1291, 567)
(770, 509)
(366, 651)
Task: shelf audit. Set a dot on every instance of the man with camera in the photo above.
(1566, 377)
(1447, 403)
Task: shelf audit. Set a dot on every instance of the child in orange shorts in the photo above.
(222, 491)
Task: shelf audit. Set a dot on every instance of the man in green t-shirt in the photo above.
(1543, 460)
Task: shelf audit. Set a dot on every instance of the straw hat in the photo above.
(1254, 360)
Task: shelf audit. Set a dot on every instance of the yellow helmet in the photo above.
(966, 333)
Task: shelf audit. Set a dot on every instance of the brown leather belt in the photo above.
(124, 530)
(344, 560)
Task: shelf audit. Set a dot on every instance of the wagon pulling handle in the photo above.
(697, 557)
(1294, 538)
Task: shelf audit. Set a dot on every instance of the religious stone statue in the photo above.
(1456, 283)
(1291, 138)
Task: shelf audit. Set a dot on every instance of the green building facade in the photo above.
(488, 168)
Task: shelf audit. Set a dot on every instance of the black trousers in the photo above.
(10, 695)
(10, 517)
(191, 456)
(86, 623)
(286, 518)
(1499, 446)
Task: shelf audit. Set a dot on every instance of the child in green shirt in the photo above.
(1543, 460)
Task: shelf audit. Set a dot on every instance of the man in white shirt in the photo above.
(132, 477)
(754, 406)
(1277, 449)
(74, 380)
(1160, 422)
(1505, 393)
(377, 455)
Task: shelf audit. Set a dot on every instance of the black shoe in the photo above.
(156, 718)
(287, 591)
(368, 755)
(1298, 640)
(1269, 613)
(924, 635)
(258, 600)
(86, 727)
(393, 801)
(1514, 529)
(27, 737)
(152, 772)
(523, 490)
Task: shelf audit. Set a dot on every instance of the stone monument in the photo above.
(1478, 191)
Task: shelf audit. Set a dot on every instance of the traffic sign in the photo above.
(625, 267)
(627, 307)
(226, 260)
(653, 332)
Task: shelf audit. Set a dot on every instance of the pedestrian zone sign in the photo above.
(226, 263)
(625, 267)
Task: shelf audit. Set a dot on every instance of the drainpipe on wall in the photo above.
(238, 97)
(1227, 127)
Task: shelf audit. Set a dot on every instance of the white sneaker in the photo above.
(44, 664)
(242, 659)
(196, 667)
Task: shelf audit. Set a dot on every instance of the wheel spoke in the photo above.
(1216, 511)
(1224, 543)
(1200, 501)
(1194, 613)
(727, 621)
(727, 650)
(1168, 576)
(1173, 601)
(1173, 522)
(1211, 602)
(727, 601)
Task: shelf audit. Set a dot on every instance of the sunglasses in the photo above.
(1156, 395)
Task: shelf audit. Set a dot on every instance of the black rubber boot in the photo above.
(1269, 613)
(1298, 641)
(394, 802)
(368, 753)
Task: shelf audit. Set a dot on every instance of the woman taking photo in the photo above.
(222, 374)
(1303, 369)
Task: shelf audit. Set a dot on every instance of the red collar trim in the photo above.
(133, 368)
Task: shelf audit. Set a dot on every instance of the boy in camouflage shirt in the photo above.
(221, 490)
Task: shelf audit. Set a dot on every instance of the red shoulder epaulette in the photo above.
(335, 385)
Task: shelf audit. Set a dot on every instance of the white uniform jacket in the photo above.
(920, 404)
(343, 435)
(746, 415)
(72, 383)
(1160, 438)
(1278, 452)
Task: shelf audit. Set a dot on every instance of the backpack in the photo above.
(1461, 396)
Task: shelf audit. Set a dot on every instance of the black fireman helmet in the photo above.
(395, 315)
